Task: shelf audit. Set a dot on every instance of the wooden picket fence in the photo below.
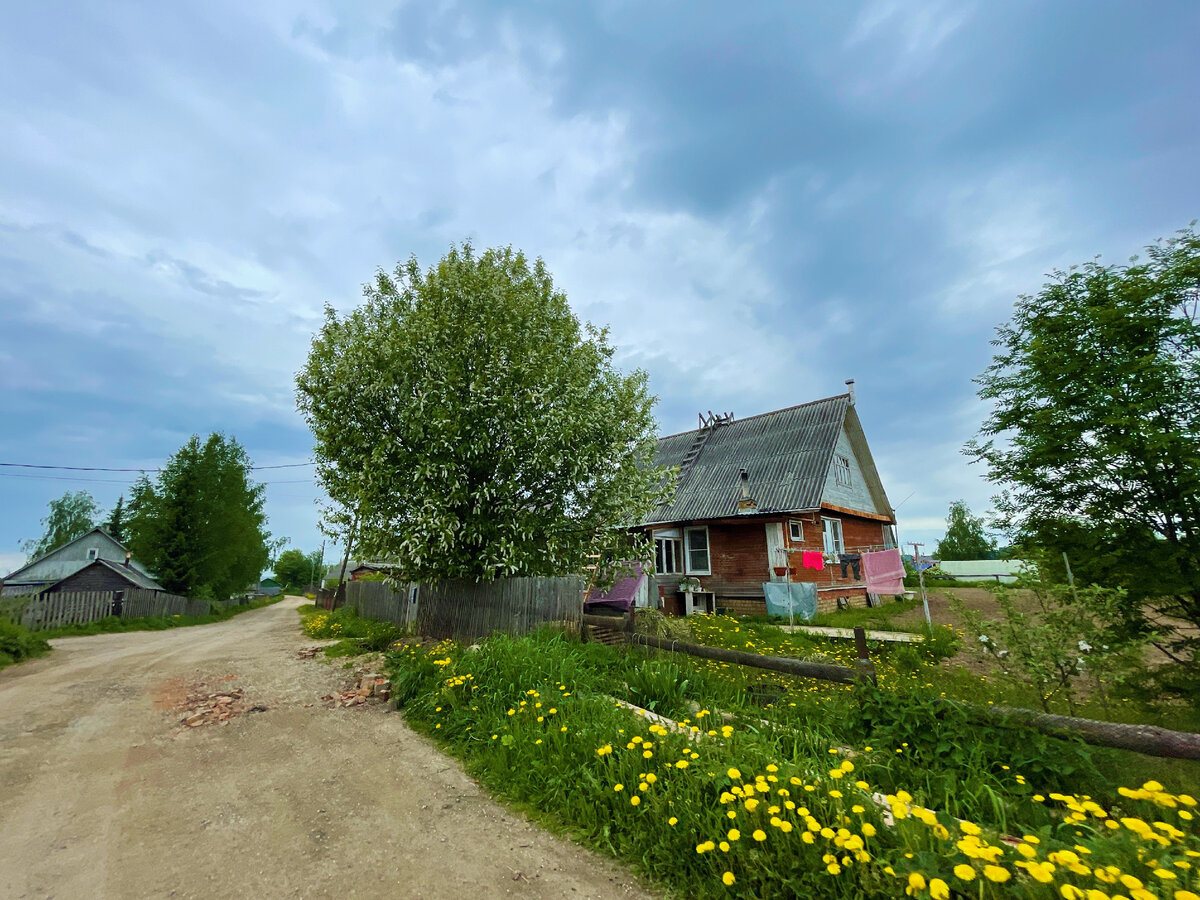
(42, 611)
(468, 610)
(383, 601)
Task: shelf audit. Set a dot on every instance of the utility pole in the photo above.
(921, 579)
(313, 578)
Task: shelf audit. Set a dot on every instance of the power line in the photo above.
(124, 481)
(65, 478)
(103, 469)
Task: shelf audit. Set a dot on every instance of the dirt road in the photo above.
(103, 793)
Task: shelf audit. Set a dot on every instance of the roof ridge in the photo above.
(769, 412)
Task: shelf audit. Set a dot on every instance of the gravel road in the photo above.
(104, 793)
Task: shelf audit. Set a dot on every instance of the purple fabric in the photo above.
(883, 572)
(620, 596)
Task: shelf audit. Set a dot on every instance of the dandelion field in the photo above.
(765, 786)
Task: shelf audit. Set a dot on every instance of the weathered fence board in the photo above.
(44, 611)
(384, 601)
(467, 610)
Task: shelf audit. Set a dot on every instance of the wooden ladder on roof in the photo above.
(697, 445)
(694, 451)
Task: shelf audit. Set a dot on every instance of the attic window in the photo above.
(93, 553)
(841, 470)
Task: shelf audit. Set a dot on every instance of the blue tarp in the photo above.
(797, 600)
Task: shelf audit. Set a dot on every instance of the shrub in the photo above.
(1076, 636)
(17, 644)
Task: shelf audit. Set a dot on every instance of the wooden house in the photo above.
(756, 495)
(95, 561)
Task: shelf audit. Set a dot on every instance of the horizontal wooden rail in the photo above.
(1147, 739)
(821, 631)
(782, 664)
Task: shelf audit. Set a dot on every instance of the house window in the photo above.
(697, 550)
(796, 531)
(889, 538)
(831, 531)
(668, 552)
(93, 553)
(841, 470)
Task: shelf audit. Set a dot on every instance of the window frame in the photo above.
(795, 525)
(838, 543)
(843, 475)
(672, 537)
(689, 569)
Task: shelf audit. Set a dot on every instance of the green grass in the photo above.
(355, 636)
(530, 718)
(18, 644)
(878, 618)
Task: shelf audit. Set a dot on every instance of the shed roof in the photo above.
(131, 573)
(786, 455)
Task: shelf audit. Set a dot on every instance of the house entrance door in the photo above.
(776, 554)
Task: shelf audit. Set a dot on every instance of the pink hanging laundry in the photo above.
(883, 572)
(812, 560)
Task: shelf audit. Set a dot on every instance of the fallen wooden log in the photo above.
(1148, 739)
(782, 664)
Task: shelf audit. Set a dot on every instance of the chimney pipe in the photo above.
(850, 389)
(128, 558)
(746, 505)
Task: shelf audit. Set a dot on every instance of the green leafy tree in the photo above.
(296, 569)
(1095, 428)
(200, 527)
(965, 536)
(115, 524)
(71, 515)
(474, 427)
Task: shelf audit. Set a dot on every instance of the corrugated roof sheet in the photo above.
(786, 455)
(139, 579)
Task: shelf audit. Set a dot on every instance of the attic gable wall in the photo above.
(865, 492)
(858, 494)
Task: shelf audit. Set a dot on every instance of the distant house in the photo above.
(1002, 571)
(756, 498)
(356, 569)
(269, 587)
(92, 562)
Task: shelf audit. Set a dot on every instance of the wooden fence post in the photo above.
(866, 667)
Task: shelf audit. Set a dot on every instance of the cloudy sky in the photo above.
(762, 200)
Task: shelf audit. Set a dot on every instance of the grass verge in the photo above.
(18, 644)
(355, 636)
(776, 799)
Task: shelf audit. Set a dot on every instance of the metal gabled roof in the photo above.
(786, 455)
(130, 573)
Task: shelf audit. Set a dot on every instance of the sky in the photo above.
(759, 200)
